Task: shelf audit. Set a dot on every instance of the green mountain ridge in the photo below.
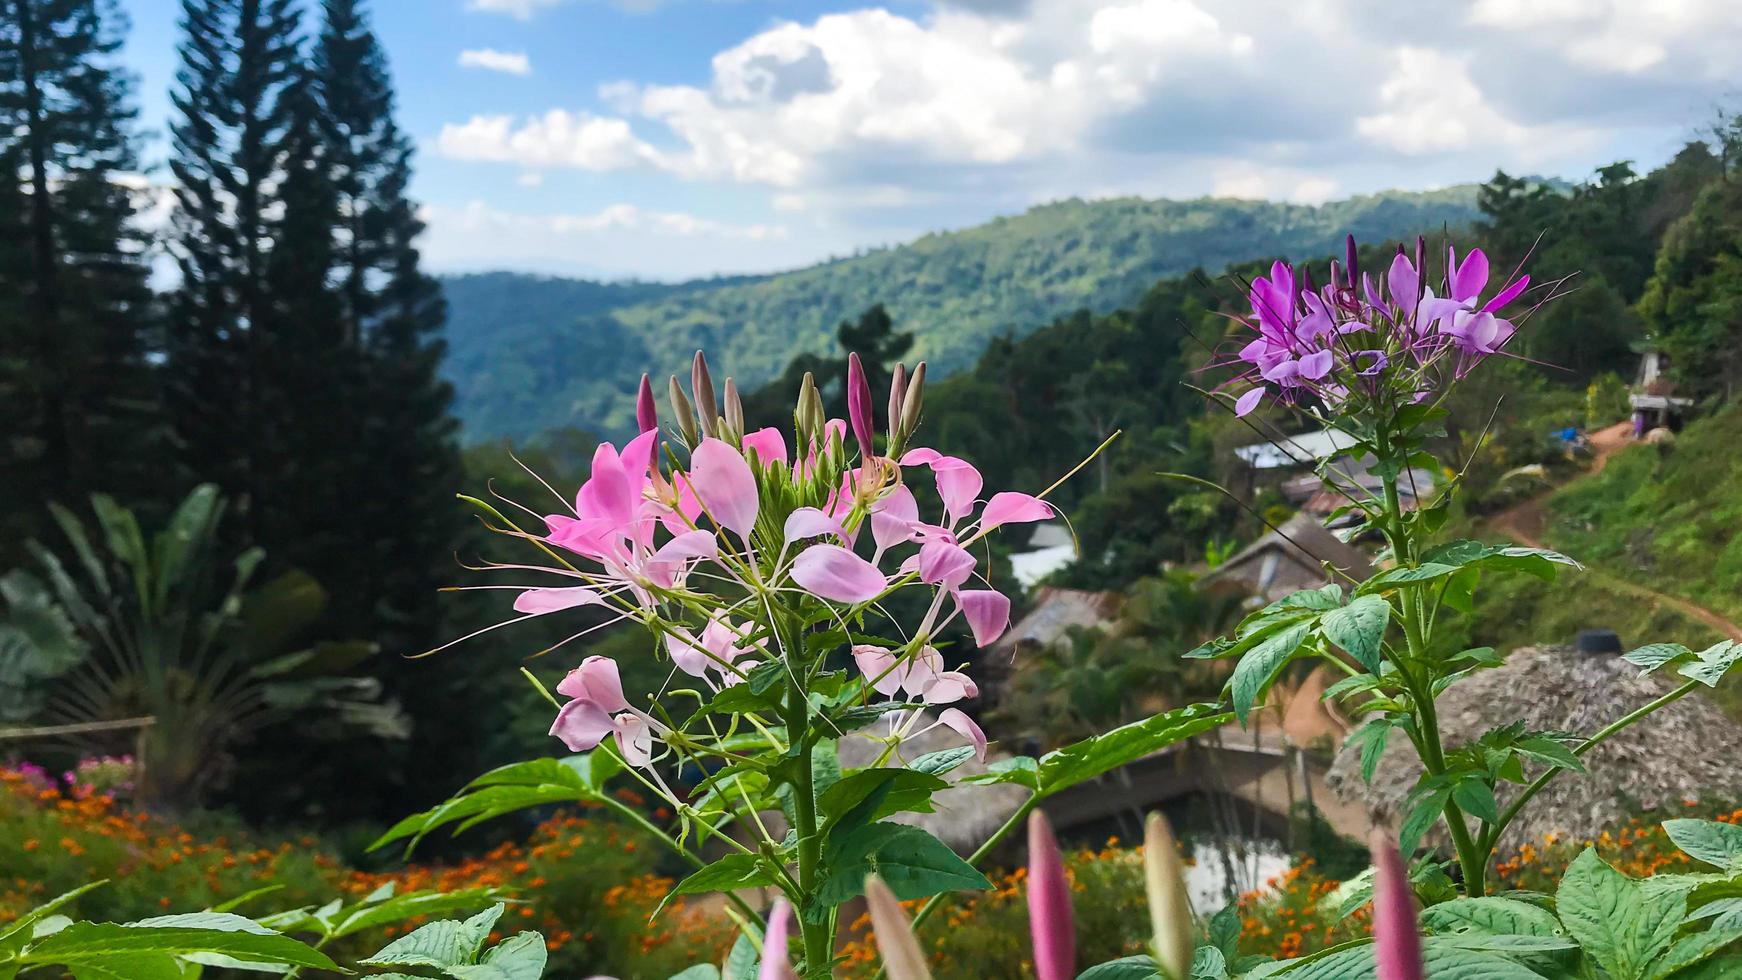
(532, 353)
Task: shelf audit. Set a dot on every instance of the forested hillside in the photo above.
(529, 353)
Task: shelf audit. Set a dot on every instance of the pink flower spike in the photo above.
(1050, 922)
(537, 602)
(1009, 507)
(646, 416)
(1397, 940)
(582, 725)
(958, 721)
(831, 572)
(944, 564)
(859, 403)
(725, 486)
(1248, 401)
(988, 614)
(769, 445)
(776, 961)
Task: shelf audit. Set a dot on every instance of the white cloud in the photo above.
(1626, 36)
(531, 178)
(489, 59)
(1431, 105)
(477, 216)
(555, 139)
(518, 9)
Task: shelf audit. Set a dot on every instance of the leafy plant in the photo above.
(125, 627)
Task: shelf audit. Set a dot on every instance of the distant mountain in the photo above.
(532, 353)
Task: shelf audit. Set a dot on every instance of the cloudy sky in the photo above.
(673, 138)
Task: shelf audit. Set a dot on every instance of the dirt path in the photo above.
(1526, 522)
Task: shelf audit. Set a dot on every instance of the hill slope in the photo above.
(534, 353)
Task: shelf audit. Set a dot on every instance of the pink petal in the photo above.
(637, 459)
(687, 654)
(956, 719)
(809, 522)
(832, 572)
(1050, 922)
(1397, 940)
(880, 668)
(539, 601)
(724, 484)
(596, 681)
(1010, 507)
(776, 961)
(606, 494)
(634, 739)
(958, 484)
(920, 457)
(893, 519)
(1507, 295)
(769, 444)
(949, 687)
(690, 544)
(581, 725)
(944, 564)
(1249, 401)
(987, 612)
(1470, 277)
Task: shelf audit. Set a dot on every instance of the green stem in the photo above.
(1491, 839)
(818, 937)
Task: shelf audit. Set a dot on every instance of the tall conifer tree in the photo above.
(76, 391)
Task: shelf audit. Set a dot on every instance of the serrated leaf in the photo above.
(942, 761)
(1258, 668)
(1084, 760)
(1359, 628)
(864, 796)
(439, 944)
(1477, 799)
(1124, 968)
(1617, 923)
(1492, 915)
(1717, 844)
(108, 943)
(729, 873)
(913, 863)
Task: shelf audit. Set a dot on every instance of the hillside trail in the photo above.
(1525, 523)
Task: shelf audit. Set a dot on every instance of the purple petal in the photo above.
(944, 564)
(988, 614)
(646, 415)
(832, 572)
(1316, 365)
(859, 403)
(1404, 283)
(1507, 295)
(539, 601)
(1468, 280)
(725, 486)
(1249, 401)
(1050, 921)
(1010, 507)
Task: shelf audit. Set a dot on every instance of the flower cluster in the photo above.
(706, 553)
(1363, 338)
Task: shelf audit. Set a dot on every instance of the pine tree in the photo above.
(230, 144)
(393, 312)
(76, 389)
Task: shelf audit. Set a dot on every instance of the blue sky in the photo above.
(674, 138)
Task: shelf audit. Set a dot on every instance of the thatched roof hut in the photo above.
(965, 815)
(1687, 751)
(1290, 558)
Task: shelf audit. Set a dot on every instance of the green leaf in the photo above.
(1421, 815)
(1224, 929)
(1022, 770)
(15, 934)
(1655, 655)
(942, 761)
(1208, 963)
(1708, 666)
(726, 874)
(1125, 968)
(439, 944)
(1477, 799)
(1370, 738)
(1492, 915)
(520, 957)
(110, 943)
(1084, 760)
(701, 971)
(509, 788)
(397, 909)
(1395, 577)
(1443, 962)
(742, 961)
(913, 863)
(1359, 628)
(1614, 920)
(1549, 752)
(1718, 844)
(868, 794)
(1259, 667)
(1693, 949)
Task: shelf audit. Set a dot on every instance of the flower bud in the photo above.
(680, 410)
(815, 413)
(897, 392)
(734, 416)
(1396, 938)
(803, 423)
(913, 402)
(1352, 263)
(646, 416)
(1170, 909)
(902, 958)
(702, 386)
(1050, 923)
(1421, 268)
(859, 404)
